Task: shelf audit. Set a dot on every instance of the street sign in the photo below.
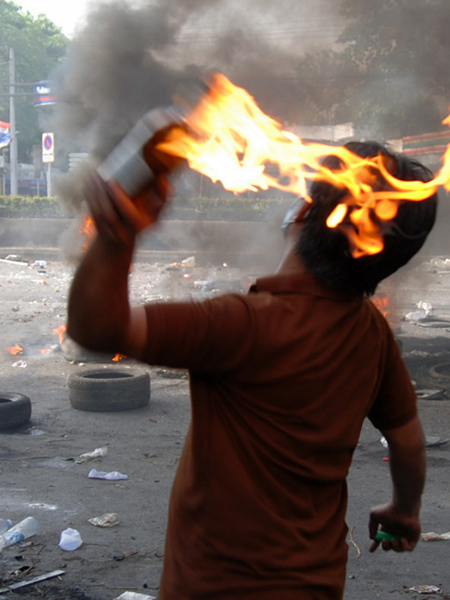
(48, 148)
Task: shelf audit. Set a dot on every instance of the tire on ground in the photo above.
(15, 410)
(440, 371)
(107, 390)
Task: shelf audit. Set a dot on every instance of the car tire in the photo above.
(440, 371)
(109, 390)
(15, 410)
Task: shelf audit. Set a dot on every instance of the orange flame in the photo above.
(14, 350)
(381, 302)
(118, 357)
(60, 332)
(229, 139)
(87, 228)
(45, 351)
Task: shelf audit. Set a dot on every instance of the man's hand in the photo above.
(407, 462)
(405, 528)
(117, 217)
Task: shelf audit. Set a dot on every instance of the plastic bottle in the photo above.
(23, 530)
(5, 524)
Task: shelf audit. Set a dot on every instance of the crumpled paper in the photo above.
(106, 520)
(97, 453)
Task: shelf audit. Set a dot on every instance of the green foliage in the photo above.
(39, 47)
(193, 209)
(26, 207)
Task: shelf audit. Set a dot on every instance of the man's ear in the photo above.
(301, 216)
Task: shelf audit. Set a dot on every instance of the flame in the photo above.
(229, 139)
(87, 229)
(381, 302)
(118, 357)
(45, 351)
(14, 350)
(61, 333)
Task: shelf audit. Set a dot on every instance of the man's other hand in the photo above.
(405, 528)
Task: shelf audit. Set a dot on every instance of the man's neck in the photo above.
(291, 261)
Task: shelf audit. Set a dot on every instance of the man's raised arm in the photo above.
(99, 314)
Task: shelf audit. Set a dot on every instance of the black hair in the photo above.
(326, 252)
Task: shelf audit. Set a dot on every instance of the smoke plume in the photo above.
(129, 58)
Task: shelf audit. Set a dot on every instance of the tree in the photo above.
(39, 46)
(397, 57)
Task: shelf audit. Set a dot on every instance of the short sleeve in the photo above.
(396, 403)
(209, 336)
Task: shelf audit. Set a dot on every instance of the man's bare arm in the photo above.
(100, 317)
(407, 459)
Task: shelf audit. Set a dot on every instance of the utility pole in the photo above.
(12, 119)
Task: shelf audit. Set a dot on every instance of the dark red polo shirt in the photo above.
(281, 382)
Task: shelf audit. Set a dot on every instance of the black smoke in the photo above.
(129, 58)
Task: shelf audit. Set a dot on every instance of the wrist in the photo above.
(406, 508)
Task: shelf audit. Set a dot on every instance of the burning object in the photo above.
(15, 350)
(137, 160)
(87, 229)
(226, 137)
(61, 333)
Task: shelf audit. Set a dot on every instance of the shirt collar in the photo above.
(297, 283)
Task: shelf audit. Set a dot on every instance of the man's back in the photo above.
(278, 400)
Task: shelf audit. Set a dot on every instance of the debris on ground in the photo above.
(426, 589)
(106, 520)
(23, 530)
(14, 259)
(431, 536)
(134, 596)
(97, 453)
(20, 364)
(111, 476)
(431, 441)
(123, 555)
(430, 394)
(70, 540)
(39, 579)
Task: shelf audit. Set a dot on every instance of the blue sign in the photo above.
(48, 142)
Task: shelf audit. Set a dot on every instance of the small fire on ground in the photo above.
(384, 300)
(14, 350)
(61, 333)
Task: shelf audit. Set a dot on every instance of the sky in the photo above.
(64, 14)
